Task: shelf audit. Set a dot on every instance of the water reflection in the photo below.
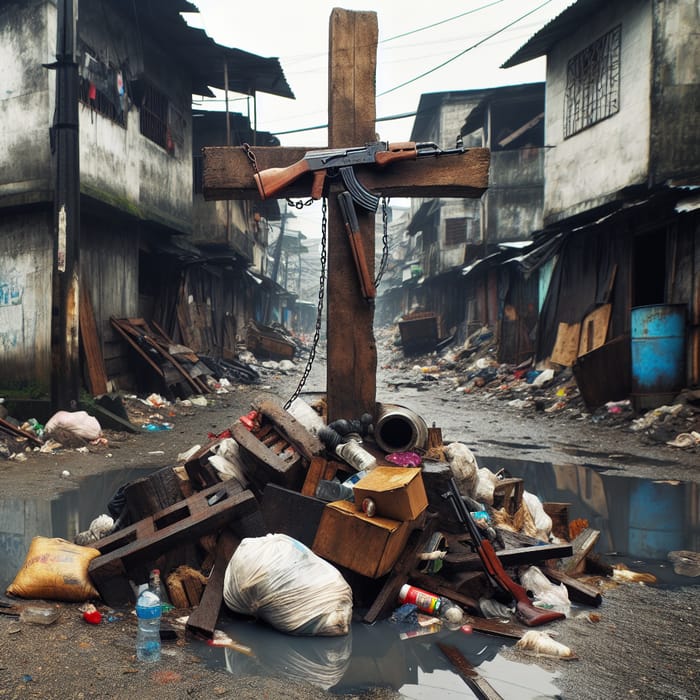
(639, 520)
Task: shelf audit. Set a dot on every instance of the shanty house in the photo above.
(622, 168)
(459, 243)
(138, 64)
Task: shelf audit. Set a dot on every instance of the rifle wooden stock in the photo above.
(528, 613)
(273, 180)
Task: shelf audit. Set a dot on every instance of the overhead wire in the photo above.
(461, 53)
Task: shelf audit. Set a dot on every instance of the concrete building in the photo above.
(138, 64)
(622, 168)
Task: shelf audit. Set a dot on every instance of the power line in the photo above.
(442, 21)
(461, 53)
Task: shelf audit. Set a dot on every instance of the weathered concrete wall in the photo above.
(118, 164)
(26, 255)
(514, 199)
(586, 169)
(26, 91)
(675, 135)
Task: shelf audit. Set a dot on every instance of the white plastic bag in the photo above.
(547, 594)
(543, 523)
(79, 423)
(283, 582)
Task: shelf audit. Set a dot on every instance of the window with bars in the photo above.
(456, 230)
(593, 83)
(154, 117)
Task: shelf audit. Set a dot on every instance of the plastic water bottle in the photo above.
(148, 612)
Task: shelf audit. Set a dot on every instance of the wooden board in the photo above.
(566, 346)
(594, 329)
(96, 373)
(228, 173)
(202, 621)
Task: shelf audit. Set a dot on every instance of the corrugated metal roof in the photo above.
(247, 73)
(567, 22)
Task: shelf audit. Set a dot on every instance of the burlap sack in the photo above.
(55, 569)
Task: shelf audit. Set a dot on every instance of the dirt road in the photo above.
(644, 646)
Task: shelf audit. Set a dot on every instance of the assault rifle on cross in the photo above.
(227, 174)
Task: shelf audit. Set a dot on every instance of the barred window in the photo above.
(455, 231)
(154, 117)
(593, 83)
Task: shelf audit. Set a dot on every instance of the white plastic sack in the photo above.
(552, 595)
(283, 582)
(543, 523)
(77, 422)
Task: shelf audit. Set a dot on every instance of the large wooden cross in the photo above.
(227, 174)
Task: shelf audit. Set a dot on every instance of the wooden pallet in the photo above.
(128, 554)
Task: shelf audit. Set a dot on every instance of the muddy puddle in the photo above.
(640, 521)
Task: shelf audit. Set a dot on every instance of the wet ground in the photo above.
(644, 501)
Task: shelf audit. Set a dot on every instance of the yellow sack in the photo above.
(55, 569)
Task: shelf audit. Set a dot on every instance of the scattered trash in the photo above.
(685, 563)
(91, 614)
(39, 614)
(541, 643)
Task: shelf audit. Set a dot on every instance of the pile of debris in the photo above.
(406, 527)
(552, 391)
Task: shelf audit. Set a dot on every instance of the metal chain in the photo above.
(254, 163)
(385, 241)
(319, 310)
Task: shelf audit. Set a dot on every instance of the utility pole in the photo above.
(65, 337)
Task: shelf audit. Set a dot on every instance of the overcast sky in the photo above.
(414, 38)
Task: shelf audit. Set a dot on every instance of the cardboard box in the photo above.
(397, 492)
(349, 538)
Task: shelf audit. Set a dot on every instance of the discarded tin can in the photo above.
(369, 507)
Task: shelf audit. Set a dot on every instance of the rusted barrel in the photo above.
(658, 354)
(399, 429)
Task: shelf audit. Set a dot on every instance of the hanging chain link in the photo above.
(385, 241)
(319, 309)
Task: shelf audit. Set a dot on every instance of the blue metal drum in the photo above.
(658, 354)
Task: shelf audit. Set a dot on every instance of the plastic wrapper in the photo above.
(55, 569)
(281, 581)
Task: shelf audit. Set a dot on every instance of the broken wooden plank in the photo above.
(264, 465)
(478, 685)
(228, 174)
(582, 545)
(579, 591)
(133, 548)
(288, 426)
(202, 620)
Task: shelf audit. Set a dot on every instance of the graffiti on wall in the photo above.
(12, 285)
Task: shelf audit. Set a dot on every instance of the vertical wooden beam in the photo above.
(352, 353)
